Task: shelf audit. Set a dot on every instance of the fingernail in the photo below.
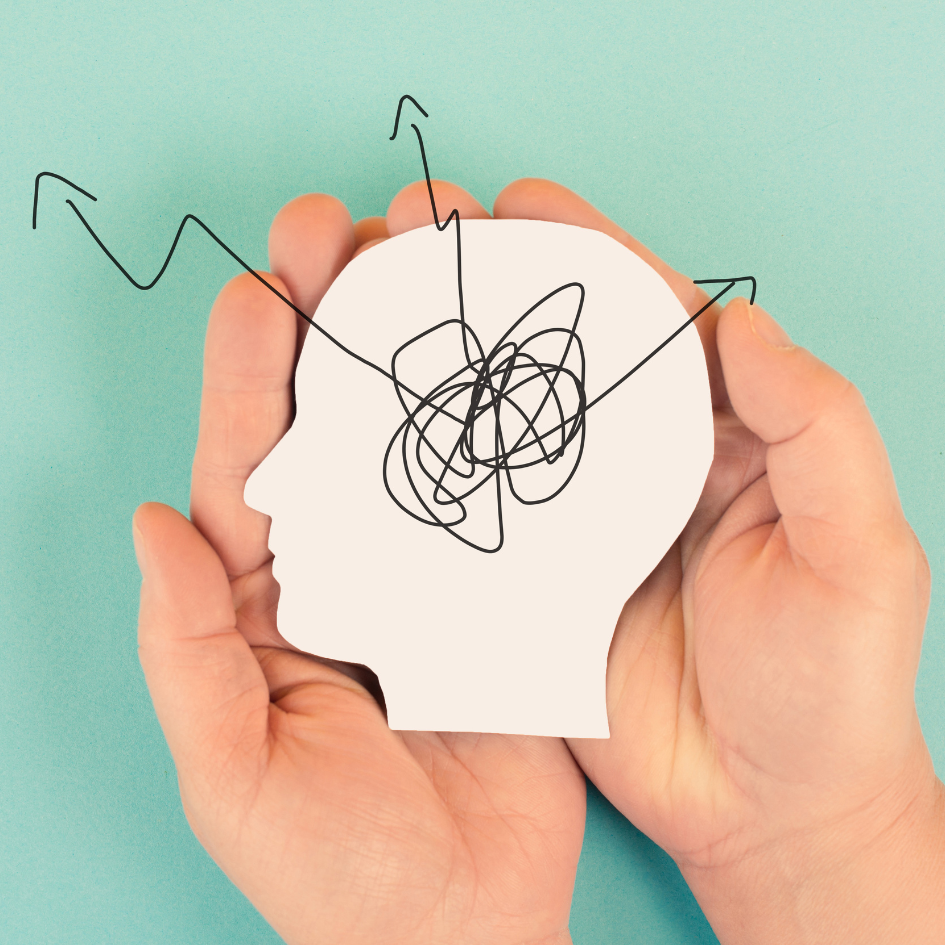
(768, 330)
(139, 547)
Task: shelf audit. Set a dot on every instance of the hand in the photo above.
(336, 828)
(760, 683)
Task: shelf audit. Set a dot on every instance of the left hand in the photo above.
(338, 829)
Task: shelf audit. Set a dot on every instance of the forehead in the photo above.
(408, 284)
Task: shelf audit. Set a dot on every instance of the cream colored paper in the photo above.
(514, 641)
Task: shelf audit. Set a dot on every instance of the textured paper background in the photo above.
(802, 145)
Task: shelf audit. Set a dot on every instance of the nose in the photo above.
(271, 478)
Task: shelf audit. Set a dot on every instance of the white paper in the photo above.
(514, 641)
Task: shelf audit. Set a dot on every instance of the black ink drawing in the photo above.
(502, 412)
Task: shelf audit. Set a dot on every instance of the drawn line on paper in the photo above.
(498, 413)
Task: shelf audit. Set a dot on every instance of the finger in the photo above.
(827, 467)
(536, 199)
(364, 247)
(245, 409)
(369, 232)
(368, 229)
(310, 241)
(209, 693)
(411, 207)
(300, 683)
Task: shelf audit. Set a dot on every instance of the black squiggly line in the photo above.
(219, 242)
(733, 280)
(482, 401)
(400, 105)
(43, 174)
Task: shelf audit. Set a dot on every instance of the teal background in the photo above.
(800, 142)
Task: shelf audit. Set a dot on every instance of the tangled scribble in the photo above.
(500, 414)
(516, 413)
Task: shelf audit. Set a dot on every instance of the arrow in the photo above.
(58, 177)
(728, 285)
(400, 105)
(731, 282)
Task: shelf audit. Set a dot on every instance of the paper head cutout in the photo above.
(470, 525)
(486, 462)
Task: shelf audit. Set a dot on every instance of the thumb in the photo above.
(208, 690)
(827, 467)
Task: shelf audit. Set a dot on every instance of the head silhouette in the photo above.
(495, 443)
(486, 461)
(465, 504)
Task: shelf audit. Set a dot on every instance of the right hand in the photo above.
(760, 683)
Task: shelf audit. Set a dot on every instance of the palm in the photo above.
(337, 828)
(408, 836)
(719, 690)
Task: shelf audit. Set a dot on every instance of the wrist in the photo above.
(876, 877)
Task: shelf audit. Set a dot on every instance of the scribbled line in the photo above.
(43, 174)
(400, 108)
(496, 414)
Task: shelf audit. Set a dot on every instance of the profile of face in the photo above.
(473, 486)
